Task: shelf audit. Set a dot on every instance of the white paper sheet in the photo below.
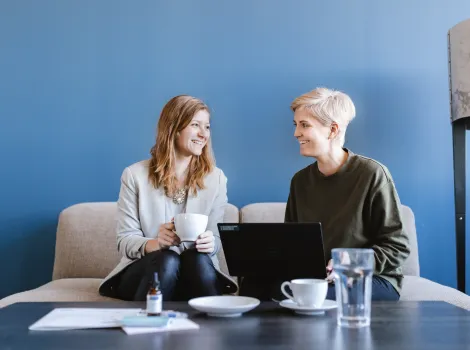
(82, 318)
(176, 324)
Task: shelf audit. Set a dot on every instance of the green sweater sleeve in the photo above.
(390, 241)
(291, 211)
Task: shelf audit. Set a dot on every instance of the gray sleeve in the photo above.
(218, 210)
(130, 238)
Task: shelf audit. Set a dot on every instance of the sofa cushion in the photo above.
(274, 212)
(419, 289)
(86, 241)
(67, 289)
(411, 265)
(263, 212)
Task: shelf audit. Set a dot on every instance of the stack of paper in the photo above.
(78, 318)
(88, 318)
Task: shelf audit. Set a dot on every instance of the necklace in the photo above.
(179, 196)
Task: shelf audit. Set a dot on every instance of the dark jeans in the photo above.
(270, 288)
(182, 276)
(382, 290)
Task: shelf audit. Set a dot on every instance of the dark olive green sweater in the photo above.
(358, 207)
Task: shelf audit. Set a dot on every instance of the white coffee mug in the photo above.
(189, 226)
(307, 292)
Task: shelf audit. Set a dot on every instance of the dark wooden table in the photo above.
(402, 325)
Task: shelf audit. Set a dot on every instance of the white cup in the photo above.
(189, 226)
(307, 292)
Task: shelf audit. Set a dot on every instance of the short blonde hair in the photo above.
(328, 106)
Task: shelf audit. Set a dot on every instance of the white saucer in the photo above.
(224, 305)
(305, 310)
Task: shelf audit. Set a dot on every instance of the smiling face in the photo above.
(313, 136)
(321, 117)
(194, 137)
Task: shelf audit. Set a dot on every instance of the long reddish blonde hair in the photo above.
(175, 116)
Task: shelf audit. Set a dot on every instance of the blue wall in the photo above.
(82, 83)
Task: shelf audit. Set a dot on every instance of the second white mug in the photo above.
(306, 292)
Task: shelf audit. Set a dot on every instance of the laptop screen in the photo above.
(291, 250)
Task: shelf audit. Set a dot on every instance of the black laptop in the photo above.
(294, 250)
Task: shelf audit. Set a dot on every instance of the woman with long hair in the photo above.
(180, 177)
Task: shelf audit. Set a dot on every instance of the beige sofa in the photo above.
(86, 252)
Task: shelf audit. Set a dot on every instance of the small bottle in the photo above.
(154, 298)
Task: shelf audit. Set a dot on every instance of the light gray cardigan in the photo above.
(141, 211)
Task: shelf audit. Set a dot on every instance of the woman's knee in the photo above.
(193, 257)
(165, 259)
(193, 262)
(383, 290)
